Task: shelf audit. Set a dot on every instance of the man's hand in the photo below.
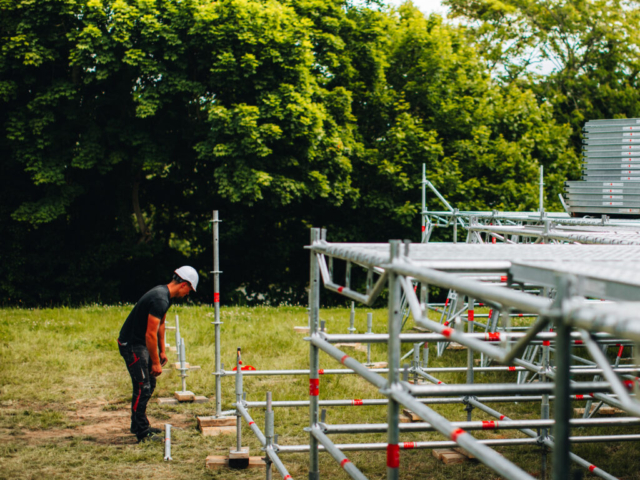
(156, 369)
(163, 359)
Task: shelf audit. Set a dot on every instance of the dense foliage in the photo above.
(124, 123)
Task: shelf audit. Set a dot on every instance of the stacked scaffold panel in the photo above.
(611, 170)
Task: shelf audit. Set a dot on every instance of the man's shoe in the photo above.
(149, 437)
(155, 430)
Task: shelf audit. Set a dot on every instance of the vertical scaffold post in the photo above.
(562, 406)
(352, 318)
(541, 199)
(424, 204)
(238, 400)
(178, 337)
(216, 306)
(544, 409)
(369, 331)
(268, 432)
(183, 365)
(167, 442)
(394, 326)
(314, 377)
(470, 329)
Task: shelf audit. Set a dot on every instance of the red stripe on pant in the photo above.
(135, 405)
(135, 359)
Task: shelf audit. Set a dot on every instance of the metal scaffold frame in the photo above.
(597, 323)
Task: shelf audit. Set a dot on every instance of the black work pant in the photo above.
(137, 360)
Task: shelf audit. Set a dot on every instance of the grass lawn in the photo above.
(65, 393)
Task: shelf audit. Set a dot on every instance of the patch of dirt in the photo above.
(96, 425)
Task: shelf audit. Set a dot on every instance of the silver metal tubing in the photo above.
(167, 442)
(336, 371)
(344, 462)
(504, 388)
(314, 360)
(216, 305)
(581, 461)
(243, 411)
(480, 425)
(485, 454)
(384, 401)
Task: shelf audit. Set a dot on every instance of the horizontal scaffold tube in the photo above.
(438, 337)
(480, 425)
(506, 442)
(384, 401)
(504, 388)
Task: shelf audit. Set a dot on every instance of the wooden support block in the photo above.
(455, 346)
(605, 411)
(167, 327)
(448, 456)
(177, 365)
(405, 418)
(184, 396)
(216, 462)
(377, 365)
(173, 349)
(215, 431)
(167, 401)
(411, 415)
(216, 422)
(301, 329)
(352, 346)
(200, 399)
(420, 382)
(462, 451)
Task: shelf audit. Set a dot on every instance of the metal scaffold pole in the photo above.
(216, 306)
(314, 354)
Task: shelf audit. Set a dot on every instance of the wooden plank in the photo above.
(377, 365)
(358, 347)
(456, 346)
(217, 462)
(200, 399)
(605, 411)
(216, 422)
(167, 401)
(411, 415)
(301, 329)
(184, 396)
(216, 431)
(448, 456)
(462, 451)
(405, 418)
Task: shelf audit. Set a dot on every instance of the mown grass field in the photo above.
(65, 393)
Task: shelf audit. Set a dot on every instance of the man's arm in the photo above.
(151, 337)
(163, 355)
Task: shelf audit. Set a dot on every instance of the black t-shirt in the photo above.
(155, 302)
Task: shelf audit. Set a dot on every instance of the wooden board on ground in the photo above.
(377, 365)
(167, 327)
(216, 422)
(215, 431)
(301, 329)
(174, 401)
(184, 396)
(461, 450)
(405, 418)
(215, 462)
(449, 456)
(456, 346)
(351, 346)
(605, 411)
(409, 414)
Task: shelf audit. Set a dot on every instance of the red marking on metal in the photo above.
(481, 304)
(216, 298)
(245, 368)
(502, 417)
(409, 445)
(446, 302)
(490, 313)
(456, 434)
(628, 384)
(344, 462)
(592, 468)
(503, 278)
(492, 336)
(512, 369)
(340, 289)
(288, 477)
(447, 332)
(620, 350)
(521, 314)
(439, 382)
(489, 425)
(593, 395)
(471, 315)
(446, 324)
(356, 402)
(579, 342)
(251, 423)
(343, 359)
(320, 371)
(551, 329)
(314, 387)
(579, 397)
(493, 240)
(424, 228)
(393, 456)
(546, 343)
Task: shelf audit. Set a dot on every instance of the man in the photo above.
(141, 344)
